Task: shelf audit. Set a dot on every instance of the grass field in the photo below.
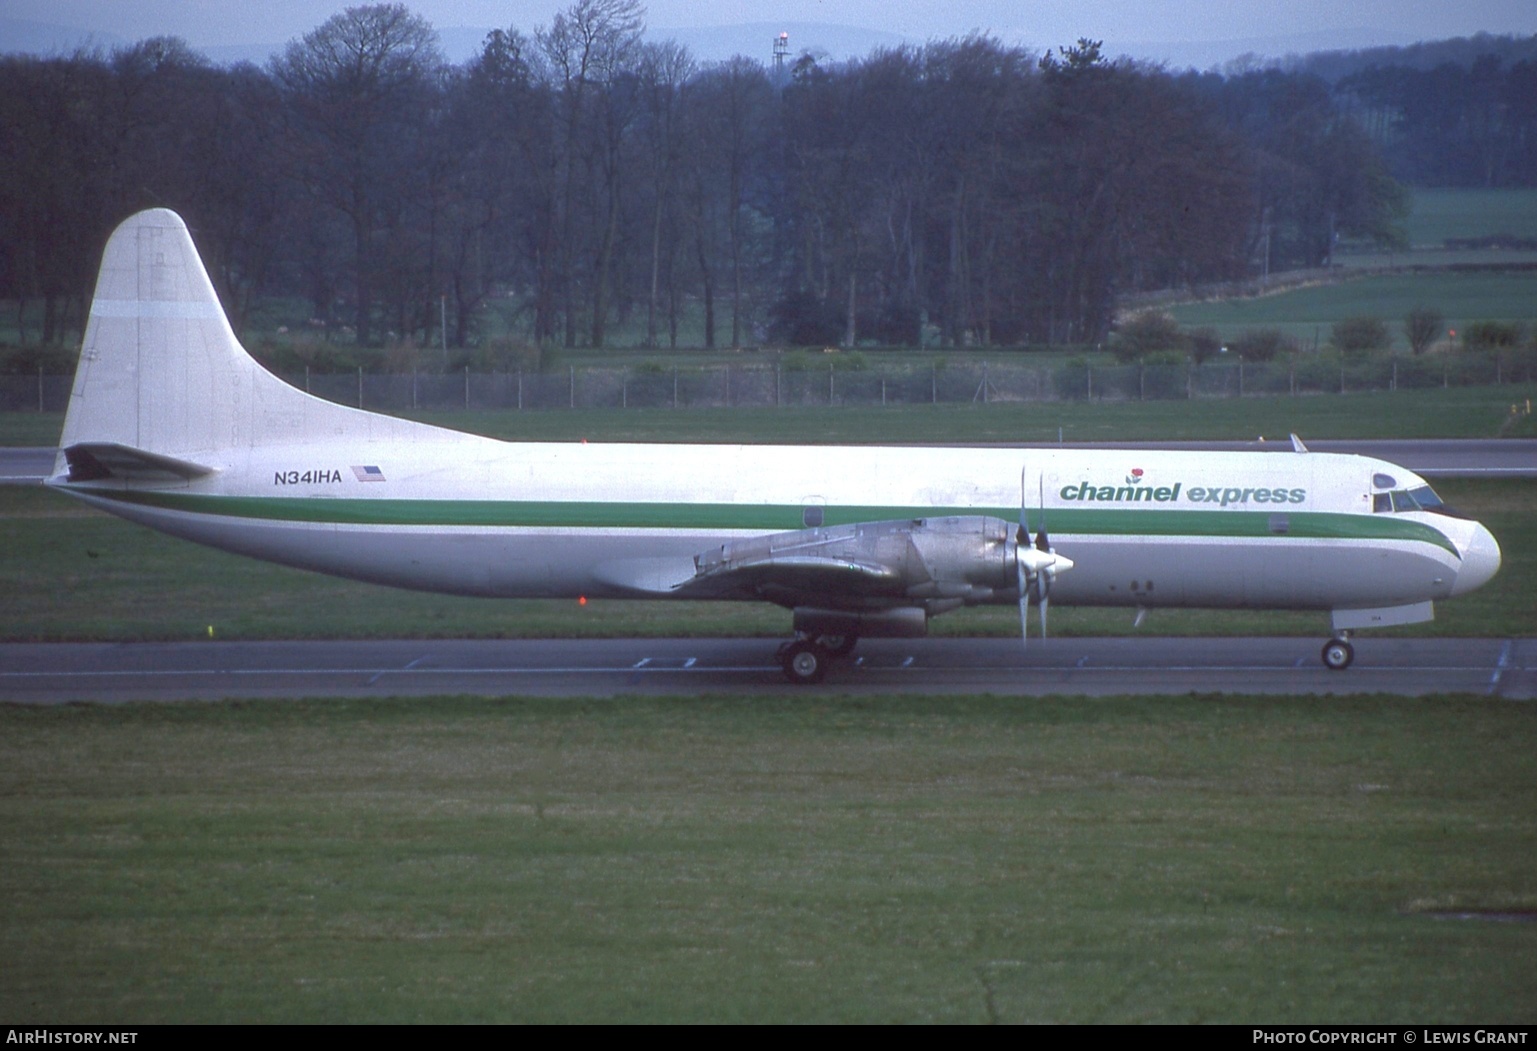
(1460, 412)
(1436, 215)
(1307, 314)
(1176, 859)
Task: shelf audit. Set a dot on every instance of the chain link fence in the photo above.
(767, 386)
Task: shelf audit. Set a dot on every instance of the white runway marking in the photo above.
(1499, 668)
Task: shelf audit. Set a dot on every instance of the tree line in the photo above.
(963, 192)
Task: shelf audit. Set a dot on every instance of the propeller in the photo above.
(1035, 564)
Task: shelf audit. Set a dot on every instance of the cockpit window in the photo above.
(1426, 497)
(1421, 498)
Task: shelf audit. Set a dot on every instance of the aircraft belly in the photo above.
(480, 561)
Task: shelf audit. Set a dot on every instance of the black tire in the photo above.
(805, 663)
(1338, 654)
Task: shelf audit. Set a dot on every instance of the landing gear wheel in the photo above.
(805, 663)
(838, 645)
(1338, 654)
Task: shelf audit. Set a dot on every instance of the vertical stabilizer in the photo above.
(161, 370)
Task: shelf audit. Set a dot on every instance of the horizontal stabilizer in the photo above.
(100, 461)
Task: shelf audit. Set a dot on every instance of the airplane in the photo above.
(171, 424)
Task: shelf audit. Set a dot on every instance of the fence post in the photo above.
(360, 386)
(571, 387)
(675, 386)
(1394, 384)
(413, 388)
(1342, 377)
(466, 388)
(1088, 383)
(520, 387)
(624, 388)
(829, 384)
(39, 388)
(776, 385)
(1141, 382)
(933, 384)
(1240, 377)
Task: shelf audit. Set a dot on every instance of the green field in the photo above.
(1460, 412)
(1308, 313)
(1437, 215)
(806, 858)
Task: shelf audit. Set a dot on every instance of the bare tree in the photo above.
(586, 50)
(664, 70)
(1423, 327)
(357, 89)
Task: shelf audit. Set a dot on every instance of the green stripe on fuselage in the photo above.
(586, 514)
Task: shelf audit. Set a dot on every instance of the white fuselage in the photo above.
(475, 516)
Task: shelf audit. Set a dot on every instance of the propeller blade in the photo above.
(1024, 605)
(1042, 542)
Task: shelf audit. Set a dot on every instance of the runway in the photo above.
(58, 673)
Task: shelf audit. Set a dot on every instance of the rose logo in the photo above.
(1135, 478)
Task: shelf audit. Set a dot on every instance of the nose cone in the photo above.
(1480, 561)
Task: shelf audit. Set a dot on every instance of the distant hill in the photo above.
(1334, 66)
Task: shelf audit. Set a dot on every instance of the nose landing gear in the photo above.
(1338, 653)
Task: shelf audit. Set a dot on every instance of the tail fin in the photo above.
(161, 371)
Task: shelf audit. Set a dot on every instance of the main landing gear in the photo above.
(805, 661)
(1338, 653)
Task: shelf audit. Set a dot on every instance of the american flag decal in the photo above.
(368, 474)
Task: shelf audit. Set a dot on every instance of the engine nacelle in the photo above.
(928, 564)
(903, 622)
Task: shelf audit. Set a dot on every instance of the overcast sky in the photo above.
(1122, 24)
